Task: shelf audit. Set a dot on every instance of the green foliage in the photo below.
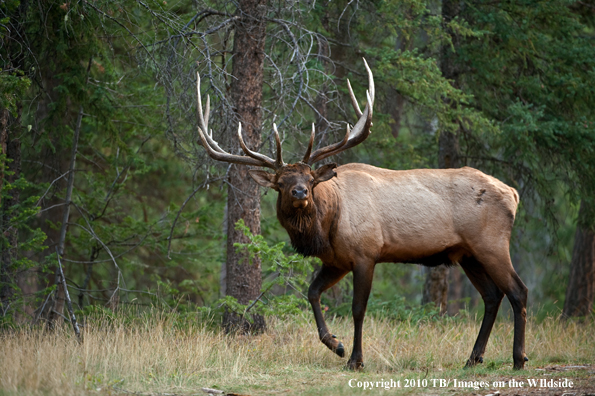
(12, 88)
(532, 73)
(286, 269)
(522, 103)
(421, 81)
(285, 278)
(128, 184)
(391, 307)
(396, 308)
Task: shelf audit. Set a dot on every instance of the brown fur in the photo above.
(357, 216)
(308, 227)
(367, 215)
(305, 231)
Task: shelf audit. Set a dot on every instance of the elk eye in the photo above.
(280, 185)
(311, 180)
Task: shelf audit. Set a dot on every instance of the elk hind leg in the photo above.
(500, 270)
(326, 278)
(492, 297)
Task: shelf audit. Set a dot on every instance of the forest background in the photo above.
(101, 165)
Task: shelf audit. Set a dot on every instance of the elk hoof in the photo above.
(340, 349)
(354, 365)
(519, 365)
(473, 361)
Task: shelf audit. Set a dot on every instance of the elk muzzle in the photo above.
(300, 197)
(299, 193)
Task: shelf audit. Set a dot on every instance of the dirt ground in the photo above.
(582, 377)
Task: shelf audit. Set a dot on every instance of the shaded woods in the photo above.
(102, 170)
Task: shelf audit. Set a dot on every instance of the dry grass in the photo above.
(155, 354)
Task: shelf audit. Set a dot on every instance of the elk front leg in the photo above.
(362, 285)
(326, 278)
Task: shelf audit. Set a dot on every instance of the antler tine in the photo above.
(213, 148)
(310, 145)
(218, 154)
(360, 131)
(203, 122)
(353, 100)
(207, 111)
(261, 157)
(327, 151)
(371, 87)
(201, 118)
(279, 162)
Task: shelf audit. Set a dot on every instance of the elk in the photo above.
(354, 216)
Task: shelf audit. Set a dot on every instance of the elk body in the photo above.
(355, 216)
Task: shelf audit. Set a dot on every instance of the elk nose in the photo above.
(299, 193)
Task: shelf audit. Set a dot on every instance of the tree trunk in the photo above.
(244, 277)
(6, 278)
(436, 285)
(11, 147)
(455, 291)
(223, 272)
(4, 114)
(11, 277)
(395, 101)
(581, 283)
(321, 104)
(59, 300)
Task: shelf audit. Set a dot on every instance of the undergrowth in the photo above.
(163, 351)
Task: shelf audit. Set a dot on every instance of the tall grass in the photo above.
(159, 352)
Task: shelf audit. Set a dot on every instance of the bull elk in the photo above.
(354, 216)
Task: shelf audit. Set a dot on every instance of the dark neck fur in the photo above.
(304, 229)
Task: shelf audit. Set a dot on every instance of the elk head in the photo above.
(294, 182)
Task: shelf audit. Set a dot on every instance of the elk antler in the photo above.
(217, 153)
(353, 137)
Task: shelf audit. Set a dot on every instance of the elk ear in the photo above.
(324, 173)
(263, 178)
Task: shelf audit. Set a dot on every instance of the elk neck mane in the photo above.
(306, 227)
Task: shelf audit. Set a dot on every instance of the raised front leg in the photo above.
(326, 278)
(362, 285)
